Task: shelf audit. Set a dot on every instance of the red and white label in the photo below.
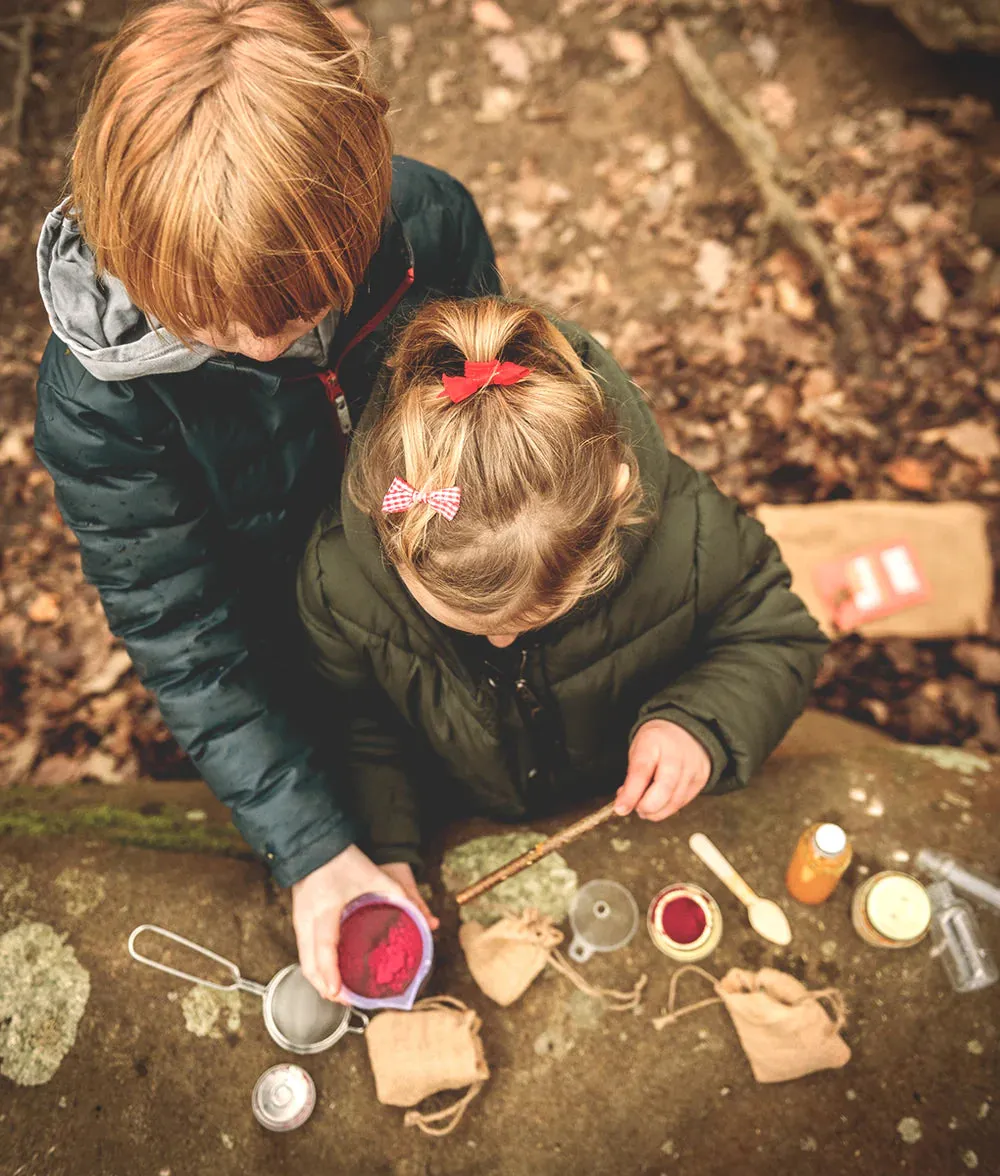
(874, 582)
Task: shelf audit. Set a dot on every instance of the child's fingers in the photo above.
(659, 795)
(306, 939)
(402, 875)
(642, 762)
(325, 932)
(686, 790)
(418, 900)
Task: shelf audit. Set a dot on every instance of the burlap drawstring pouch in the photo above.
(505, 958)
(784, 1029)
(433, 1047)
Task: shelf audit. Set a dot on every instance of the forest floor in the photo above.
(615, 200)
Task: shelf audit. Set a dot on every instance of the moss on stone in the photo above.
(166, 830)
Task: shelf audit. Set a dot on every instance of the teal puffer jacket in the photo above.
(193, 494)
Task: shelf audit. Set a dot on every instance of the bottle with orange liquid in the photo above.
(820, 859)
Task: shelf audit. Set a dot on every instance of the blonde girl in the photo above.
(526, 600)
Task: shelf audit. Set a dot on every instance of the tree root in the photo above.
(22, 44)
(760, 153)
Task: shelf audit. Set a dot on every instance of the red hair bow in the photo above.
(401, 496)
(482, 375)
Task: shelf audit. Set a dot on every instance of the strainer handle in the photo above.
(361, 1017)
(238, 981)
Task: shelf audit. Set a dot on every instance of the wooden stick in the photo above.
(760, 153)
(556, 841)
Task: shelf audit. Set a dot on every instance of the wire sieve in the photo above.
(295, 1015)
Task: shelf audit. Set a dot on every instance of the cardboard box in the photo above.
(948, 540)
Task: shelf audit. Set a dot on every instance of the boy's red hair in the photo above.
(234, 164)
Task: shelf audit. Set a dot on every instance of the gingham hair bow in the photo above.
(401, 496)
(482, 375)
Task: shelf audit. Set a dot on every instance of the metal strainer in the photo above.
(295, 1015)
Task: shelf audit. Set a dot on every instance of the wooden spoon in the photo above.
(766, 917)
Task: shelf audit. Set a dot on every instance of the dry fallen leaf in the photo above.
(543, 45)
(763, 52)
(491, 17)
(510, 58)
(776, 104)
(400, 45)
(56, 771)
(44, 609)
(910, 473)
(818, 384)
(982, 660)
(14, 447)
(795, 302)
(497, 103)
(911, 218)
(849, 209)
(973, 440)
(631, 49)
(103, 679)
(439, 85)
(780, 404)
(933, 297)
(712, 268)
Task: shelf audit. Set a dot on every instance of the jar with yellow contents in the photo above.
(818, 863)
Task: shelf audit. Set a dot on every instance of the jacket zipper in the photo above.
(330, 379)
(335, 395)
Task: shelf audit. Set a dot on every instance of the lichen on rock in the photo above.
(84, 891)
(547, 886)
(43, 992)
(208, 1013)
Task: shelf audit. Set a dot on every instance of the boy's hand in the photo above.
(402, 873)
(317, 902)
(667, 768)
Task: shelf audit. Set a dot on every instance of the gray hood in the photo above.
(98, 321)
(94, 316)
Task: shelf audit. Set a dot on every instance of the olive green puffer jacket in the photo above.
(702, 630)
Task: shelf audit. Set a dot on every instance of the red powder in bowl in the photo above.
(682, 920)
(380, 950)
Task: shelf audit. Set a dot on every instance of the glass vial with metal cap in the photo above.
(283, 1098)
(956, 939)
(818, 863)
(973, 883)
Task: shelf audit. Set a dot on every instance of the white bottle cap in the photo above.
(830, 840)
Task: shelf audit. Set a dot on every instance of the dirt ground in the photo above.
(613, 200)
(158, 1078)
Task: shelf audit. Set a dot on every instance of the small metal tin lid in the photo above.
(897, 907)
(830, 840)
(283, 1098)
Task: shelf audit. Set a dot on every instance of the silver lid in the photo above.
(283, 1098)
(830, 840)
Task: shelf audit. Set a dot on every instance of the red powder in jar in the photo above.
(682, 920)
(380, 950)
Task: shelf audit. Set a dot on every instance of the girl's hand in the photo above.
(667, 768)
(317, 902)
(402, 873)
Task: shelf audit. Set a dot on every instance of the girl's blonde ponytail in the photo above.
(539, 464)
